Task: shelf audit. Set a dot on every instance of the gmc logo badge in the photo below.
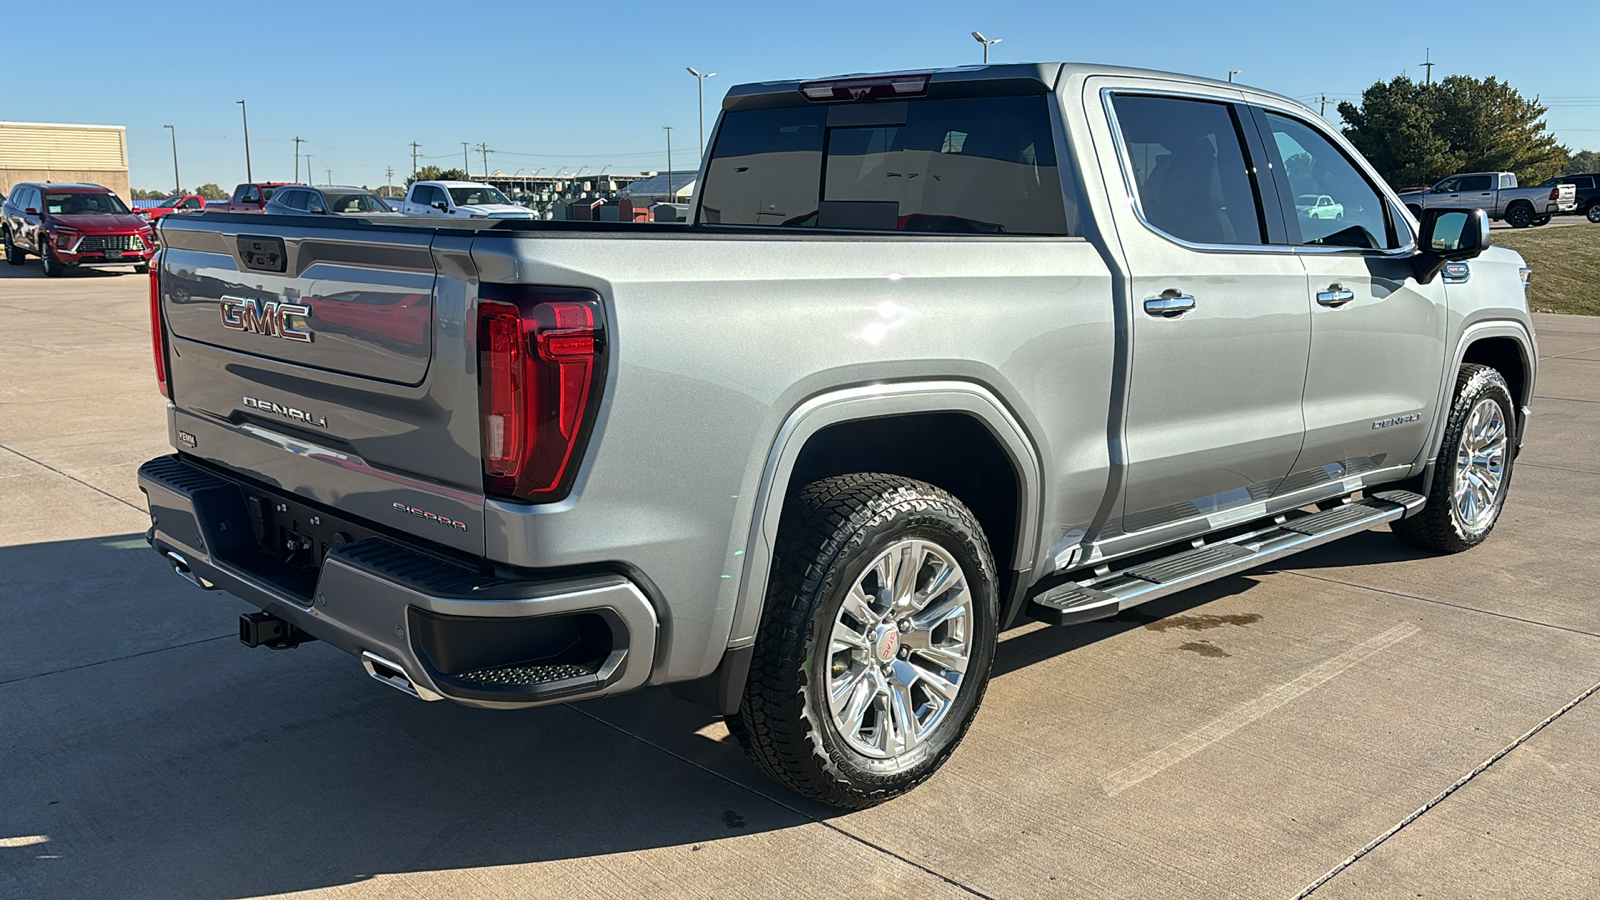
(270, 318)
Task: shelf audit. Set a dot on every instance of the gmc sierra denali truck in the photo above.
(937, 353)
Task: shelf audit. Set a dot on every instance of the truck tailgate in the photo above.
(303, 356)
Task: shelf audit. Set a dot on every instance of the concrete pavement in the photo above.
(1250, 738)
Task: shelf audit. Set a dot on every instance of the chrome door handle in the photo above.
(1169, 305)
(1335, 295)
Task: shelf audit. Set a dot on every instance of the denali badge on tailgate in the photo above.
(288, 412)
(271, 318)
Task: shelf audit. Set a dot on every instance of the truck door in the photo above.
(1377, 335)
(1219, 315)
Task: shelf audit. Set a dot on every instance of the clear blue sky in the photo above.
(592, 84)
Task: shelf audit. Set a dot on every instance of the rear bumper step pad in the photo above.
(1108, 594)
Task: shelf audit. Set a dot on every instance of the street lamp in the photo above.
(245, 113)
(1233, 72)
(701, 80)
(177, 183)
(671, 196)
(985, 42)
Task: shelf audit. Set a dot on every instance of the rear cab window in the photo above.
(939, 165)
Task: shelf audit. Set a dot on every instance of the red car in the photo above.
(248, 198)
(183, 203)
(72, 225)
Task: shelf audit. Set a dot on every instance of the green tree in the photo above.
(1419, 133)
(149, 195)
(1583, 163)
(434, 173)
(211, 191)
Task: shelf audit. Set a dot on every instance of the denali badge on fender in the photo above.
(432, 517)
(288, 412)
(271, 318)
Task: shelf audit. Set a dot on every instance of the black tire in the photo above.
(1520, 215)
(1440, 525)
(1416, 211)
(47, 257)
(14, 254)
(1540, 221)
(142, 269)
(1593, 212)
(830, 534)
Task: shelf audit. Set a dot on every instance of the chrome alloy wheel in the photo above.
(1481, 464)
(899, 649)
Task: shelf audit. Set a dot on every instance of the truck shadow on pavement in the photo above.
(194, 767)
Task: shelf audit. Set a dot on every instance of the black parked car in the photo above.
(1588, 193)
(302, 200)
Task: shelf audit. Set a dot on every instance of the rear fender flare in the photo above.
(869, 402)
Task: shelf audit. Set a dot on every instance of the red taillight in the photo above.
(540, 363)
(1555, 193)
(158, 337)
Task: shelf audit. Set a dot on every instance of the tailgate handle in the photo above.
(263, 254)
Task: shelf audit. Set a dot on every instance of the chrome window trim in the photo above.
(1264, 102)
(1125, 162)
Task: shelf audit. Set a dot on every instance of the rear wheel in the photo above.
(1593, 212)
(47, 256)
(876, 641)
(1541, 220)
(1473, 473)
(14, 254)
(142, 269)
(1520, 215)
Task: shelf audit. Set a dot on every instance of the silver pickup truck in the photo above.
(1497, 194)
(938, 353)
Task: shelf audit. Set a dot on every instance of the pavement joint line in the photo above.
(1482, 767)
(133, 328)
(799, 812)
(74, 478)
(1535, 465)
(1244, 714)
(1572, 353)
(1564, 399)
(1471, 609)
(101, 662)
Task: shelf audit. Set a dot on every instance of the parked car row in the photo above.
(1497, 194)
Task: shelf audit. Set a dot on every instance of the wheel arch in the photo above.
(1507, 346)
(819, 436)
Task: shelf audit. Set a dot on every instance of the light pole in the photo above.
(311, 174)
(177, 183)
(671, 195)
(1233, 72)
(701, 80)
(245, 113)
(465, 166)
(985, 42)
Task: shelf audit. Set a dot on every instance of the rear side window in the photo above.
(980, 165)
(1189, 169)
(293, 199)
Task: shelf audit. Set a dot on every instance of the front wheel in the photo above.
(142, 269)
(1473, 472)
(876, 641)
(1540, 221)
(1593, 212)
(1519, 216)
(52, 266)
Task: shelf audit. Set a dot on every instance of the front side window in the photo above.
(478, 196)
(193, 203)
(350, 204)
(1477, 183)
(1189, 169)
(293, 199)
(314, 202)
(978, 165)
(1354, 214)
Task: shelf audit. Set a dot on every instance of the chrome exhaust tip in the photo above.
(394, 676)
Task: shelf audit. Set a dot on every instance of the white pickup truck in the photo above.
(1497, 194)
(461, 200)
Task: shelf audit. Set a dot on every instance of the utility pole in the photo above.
(986, 43)
(311, 174)
(414, 146)
(671, 194)
(1428, 64)
(330, 175)
(1322, 110)
(245, 113)
(388, 179)
(485, 149)
(177, 183)
(297, 142)
(466, 167)
(702, 80)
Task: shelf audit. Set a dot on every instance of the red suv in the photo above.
(70, 225)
